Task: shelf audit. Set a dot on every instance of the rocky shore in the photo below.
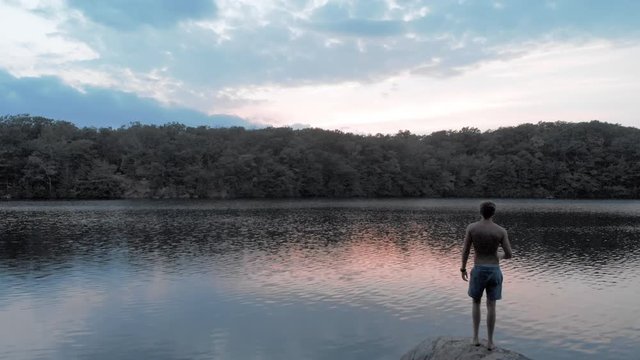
(450, 348)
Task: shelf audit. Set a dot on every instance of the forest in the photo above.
(42, 158)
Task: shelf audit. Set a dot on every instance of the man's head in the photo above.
(487, 209)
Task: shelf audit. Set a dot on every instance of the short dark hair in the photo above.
(487, 209)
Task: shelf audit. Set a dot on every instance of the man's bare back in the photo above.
(486, 237)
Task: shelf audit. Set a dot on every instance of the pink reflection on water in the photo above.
(368, 267)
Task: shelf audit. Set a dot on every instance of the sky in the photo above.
(362, 66)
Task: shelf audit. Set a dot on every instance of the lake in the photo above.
(320, 279)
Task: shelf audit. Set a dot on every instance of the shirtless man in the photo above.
(486, 237)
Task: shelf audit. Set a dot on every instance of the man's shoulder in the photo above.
(502, 230)
(500, 227)
(485, 227)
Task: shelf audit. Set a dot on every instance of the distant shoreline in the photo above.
(46, 159)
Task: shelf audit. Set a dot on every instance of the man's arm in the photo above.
(506, 246)
(466, 249)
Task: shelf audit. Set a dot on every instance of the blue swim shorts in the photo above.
(487, 276)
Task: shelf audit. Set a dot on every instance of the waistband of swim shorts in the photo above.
(491, 266)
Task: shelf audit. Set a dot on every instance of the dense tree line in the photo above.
(43, 158)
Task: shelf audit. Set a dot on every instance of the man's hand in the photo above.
(464, 275)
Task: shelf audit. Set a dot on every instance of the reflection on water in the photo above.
(307, 279)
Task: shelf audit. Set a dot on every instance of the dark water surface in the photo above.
(362, 279)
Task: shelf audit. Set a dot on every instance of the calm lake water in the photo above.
(365, 279)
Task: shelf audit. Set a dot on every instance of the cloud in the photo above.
(290, 43)
(515, 20)
(551, 81)
(362, 27)
(131, 14)
(242, 42)
(31, 43)
(50, 97)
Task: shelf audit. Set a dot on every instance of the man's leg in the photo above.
(491, 321)
(475, 313)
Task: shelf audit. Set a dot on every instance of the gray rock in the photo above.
(449, 348)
